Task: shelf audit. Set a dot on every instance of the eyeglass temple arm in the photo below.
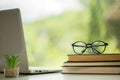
(83, 50)
(96, 51)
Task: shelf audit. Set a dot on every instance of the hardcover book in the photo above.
(94, 57)
(117, 63)
(91, 70)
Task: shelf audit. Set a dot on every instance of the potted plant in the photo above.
(12, 69)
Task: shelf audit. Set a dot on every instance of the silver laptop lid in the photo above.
(12, 38)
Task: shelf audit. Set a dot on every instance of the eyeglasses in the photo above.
(97, 47)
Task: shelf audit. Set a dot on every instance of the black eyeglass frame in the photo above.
(89, 45)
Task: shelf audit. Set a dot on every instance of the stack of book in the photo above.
(92, 64)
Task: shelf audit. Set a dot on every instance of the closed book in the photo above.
(91, 70)
(117, 63)
(94, 57)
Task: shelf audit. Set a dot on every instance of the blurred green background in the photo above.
(49, 40)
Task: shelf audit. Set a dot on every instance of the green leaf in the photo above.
(12, 61)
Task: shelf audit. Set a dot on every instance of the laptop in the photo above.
(12, 42)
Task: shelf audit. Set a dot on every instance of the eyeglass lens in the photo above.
(79, 47)
(98, 47)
